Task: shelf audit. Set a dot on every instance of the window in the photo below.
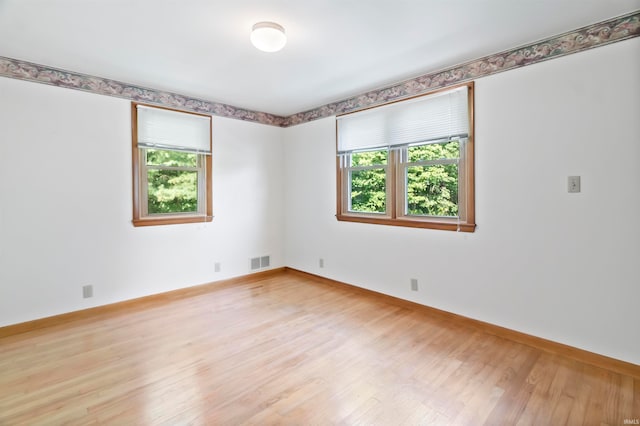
(409, 163)
(171, 166)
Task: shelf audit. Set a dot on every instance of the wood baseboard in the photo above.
(154, 299)
(581, 355)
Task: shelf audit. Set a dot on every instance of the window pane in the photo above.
(369, 158)
(432, 190)
(368, 190)
(172, 191)
(434, 151)
(161, 157)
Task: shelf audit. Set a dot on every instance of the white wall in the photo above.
(556, 265)
(65, 206)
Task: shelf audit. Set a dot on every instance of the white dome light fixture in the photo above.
(268, 36)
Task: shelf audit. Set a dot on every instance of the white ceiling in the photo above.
(336, 48)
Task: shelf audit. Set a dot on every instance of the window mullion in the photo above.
(462, 183)
(202, 177)
(346, 187)
(358, 168)
(400, 184)
(433, 162)
(144, 183)
(178, 168)
(392, 188)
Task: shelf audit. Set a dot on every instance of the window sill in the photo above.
(171, 220)
(442, 224)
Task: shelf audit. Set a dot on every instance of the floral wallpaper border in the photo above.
(600, 34)
(28, 71)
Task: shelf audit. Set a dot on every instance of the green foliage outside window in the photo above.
(161, 157)
(368, 191)
(368, 187)
(369, 158)
(432, 190)
(172, 190)
(435, 151)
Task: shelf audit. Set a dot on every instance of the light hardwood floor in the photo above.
(291, 350)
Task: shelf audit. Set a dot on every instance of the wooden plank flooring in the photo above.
(291, 350)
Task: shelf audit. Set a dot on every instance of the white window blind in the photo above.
(429, 118)
(164, 129)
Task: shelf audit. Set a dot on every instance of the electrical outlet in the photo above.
(216, 267)
(573, 184)
(414, 284)
(321, 262)
(87, 291)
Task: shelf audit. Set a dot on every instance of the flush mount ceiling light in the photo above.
(268, 36)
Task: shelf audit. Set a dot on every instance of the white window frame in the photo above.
(348, 169)
(200, 169)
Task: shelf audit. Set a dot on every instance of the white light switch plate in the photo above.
(573, 184)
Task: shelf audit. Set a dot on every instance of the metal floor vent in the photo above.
(256, 263)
